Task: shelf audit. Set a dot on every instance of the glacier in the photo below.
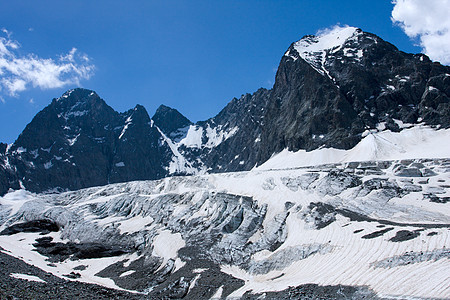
(381, 227)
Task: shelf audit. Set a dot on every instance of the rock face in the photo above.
(170, 120)
(328, 90)
(79, 141)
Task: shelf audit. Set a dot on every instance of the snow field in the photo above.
(412, 143)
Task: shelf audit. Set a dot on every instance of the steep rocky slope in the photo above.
(330, 88)
(79, 141)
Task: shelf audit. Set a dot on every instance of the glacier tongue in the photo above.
(377, 227)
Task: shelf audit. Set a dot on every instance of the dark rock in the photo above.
(288, 205)
(169, 119)
(315, 291)
(73, 275)
(427, 172)
(54, 288)
(436, 199)
(43, 226)
(62, 251)
(335, 182)
(322, 214)
(77, 131)
(178, 289)
(411, 188)
(376, 234)
(405, 235)
(408, 172)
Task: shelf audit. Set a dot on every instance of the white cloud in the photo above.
(427, 20)
(19, 72)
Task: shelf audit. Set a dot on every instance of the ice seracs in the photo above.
(381, 227)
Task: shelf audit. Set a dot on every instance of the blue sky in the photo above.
(194, 56)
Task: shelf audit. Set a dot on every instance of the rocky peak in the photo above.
(169, 119)
(136, 123)
(331, 87)
(138, 114)
(80, 103)
(315, 49)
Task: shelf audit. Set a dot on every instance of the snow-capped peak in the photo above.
(65, 95)
(329, 39)
(314, 48)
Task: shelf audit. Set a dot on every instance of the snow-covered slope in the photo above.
(373, 229)
(415, 142)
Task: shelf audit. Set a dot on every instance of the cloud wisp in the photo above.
(19, 72)
(427, 20)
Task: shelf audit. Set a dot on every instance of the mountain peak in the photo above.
(137, 114)
(329, 39)
(169, 119)
(78, 94)
(345, 43)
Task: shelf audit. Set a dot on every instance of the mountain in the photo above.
(329, 91)
(334, 184)
(79, 141)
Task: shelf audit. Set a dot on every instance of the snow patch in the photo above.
(179, 163)
(166, 245)
(73, 140)
(48, 165)
(76, 114)
(134, 224)
(218, 293)
(127, 273)
(213, 135)
(27, 277)
(193, 138)
(128, 121)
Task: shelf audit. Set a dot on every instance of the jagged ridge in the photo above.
(329, 89)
